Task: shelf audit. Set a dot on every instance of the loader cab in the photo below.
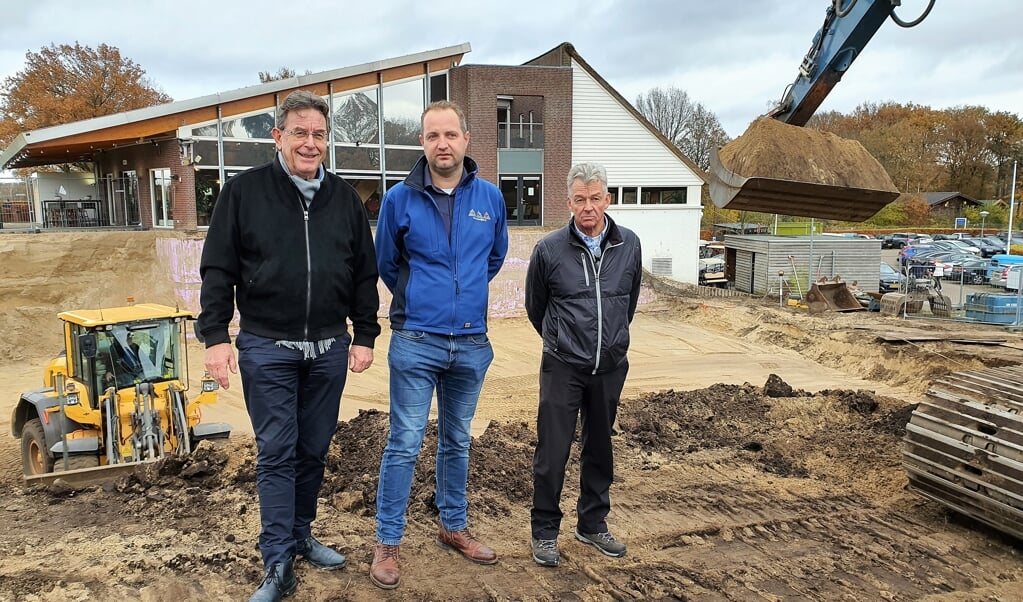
(121, 355)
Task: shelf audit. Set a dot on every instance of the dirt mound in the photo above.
(772, 149)
(47, 273)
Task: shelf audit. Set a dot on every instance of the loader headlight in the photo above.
(72, 399)
(209, 386)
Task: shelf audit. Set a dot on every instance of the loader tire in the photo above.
(35, 454)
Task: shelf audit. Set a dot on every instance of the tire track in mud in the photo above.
(731, 541)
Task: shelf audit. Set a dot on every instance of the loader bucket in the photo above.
(84, 476)
(729, 190)
(834, 296)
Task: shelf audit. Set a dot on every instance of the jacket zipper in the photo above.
(600, 300)
(452, 244)
(308, 269)
(600, 311)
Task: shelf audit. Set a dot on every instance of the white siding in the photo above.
(606, 132)
(665, 231)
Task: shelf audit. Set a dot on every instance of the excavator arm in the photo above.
(848, 26)
(836, 45)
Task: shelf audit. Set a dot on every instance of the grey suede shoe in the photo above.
(605, 542)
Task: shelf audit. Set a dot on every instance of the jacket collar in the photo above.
(613, 236)
(417, 176)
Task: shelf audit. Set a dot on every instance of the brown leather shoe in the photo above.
(385, 573)
(464, 543)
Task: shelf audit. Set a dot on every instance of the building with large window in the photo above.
(161, 167)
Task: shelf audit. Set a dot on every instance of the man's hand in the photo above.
(359, 358)
(219, 359)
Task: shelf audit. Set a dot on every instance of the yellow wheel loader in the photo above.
(116, 396)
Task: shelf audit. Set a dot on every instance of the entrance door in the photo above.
(522, 199)
(160, 185)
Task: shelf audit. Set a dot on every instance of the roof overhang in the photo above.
(82, 140)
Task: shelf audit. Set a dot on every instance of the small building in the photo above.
(761, 264)
(950, 204)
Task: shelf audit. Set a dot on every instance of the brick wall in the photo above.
(476, 88)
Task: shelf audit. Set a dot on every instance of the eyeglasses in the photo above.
(318, 135)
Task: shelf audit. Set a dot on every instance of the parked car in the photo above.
(970, 271)
(952, 236)
(996, 269)
(998, 242)
(954, 244)
(899, 240)
(986, 247)
(907, 252)
(712, 272)
(891, 279)
(925, 262)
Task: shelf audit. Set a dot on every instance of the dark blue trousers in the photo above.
(293, 404)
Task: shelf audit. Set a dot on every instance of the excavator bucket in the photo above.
(729, 190)
(833, 296)
(774, 167)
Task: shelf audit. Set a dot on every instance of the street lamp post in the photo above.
(983, 217)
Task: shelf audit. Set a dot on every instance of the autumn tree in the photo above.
(689, 125)
(266, 77)
(1005, 141)
(65, 83)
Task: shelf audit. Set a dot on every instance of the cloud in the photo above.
(734, 57)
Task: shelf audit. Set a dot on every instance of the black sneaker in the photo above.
(319, 555)
(605, 542)
(545, 552)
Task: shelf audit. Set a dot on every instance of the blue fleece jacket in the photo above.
(440, 283)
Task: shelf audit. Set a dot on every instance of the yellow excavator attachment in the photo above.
(729, 190)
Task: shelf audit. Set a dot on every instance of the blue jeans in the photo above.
(421, 362)
(293, 404)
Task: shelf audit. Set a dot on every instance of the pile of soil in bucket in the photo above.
(772, 149)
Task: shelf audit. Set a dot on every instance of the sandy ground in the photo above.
(723, 490)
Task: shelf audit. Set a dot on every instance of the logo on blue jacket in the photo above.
(480, 217)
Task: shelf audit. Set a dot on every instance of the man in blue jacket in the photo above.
(582, 288)
(290, 243)
(441, 237)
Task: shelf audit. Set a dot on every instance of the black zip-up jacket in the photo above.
(296, 274)
(582, 306)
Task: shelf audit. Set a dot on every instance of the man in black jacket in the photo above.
(582, 287)
(290, 243)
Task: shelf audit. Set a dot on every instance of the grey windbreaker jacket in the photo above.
(582, 306)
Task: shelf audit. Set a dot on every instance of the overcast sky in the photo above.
(735, 56)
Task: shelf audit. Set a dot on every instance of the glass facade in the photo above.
(361, 155)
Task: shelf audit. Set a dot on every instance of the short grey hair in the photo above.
(300, 100)
(587, 173)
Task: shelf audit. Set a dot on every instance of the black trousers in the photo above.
(565, 394)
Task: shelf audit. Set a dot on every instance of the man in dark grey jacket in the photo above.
(582, 288)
